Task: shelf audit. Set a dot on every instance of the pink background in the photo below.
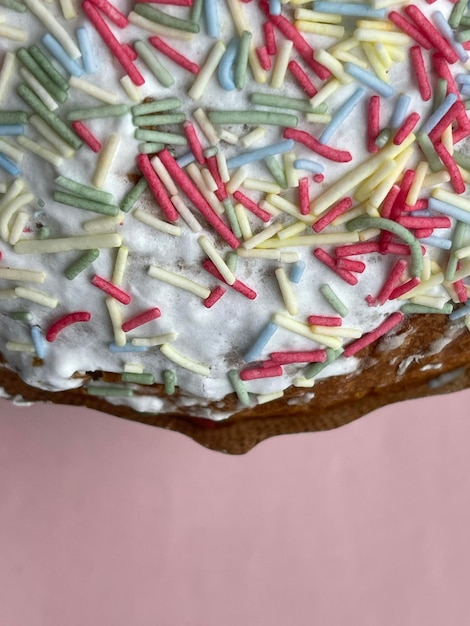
(104, 522)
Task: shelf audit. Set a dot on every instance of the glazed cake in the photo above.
(233, 219)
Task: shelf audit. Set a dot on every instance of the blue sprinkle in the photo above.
(346, 8)
(437, 242)
(186, 159)
(39, 342)
(88, 56)
(368, 79)
(448, 33)
(225, 69)
(211, 15)
(10, 130)
(58, 52)
(275, 7)
(400, 111)
(463, 78)
(438, 113)
(449, 209)
(129, 347)
(465, 90)
(308, 165)
(296, 272)
(8, 165)
(341, 114)
(261, 153)
(260, 342)
(462, 312)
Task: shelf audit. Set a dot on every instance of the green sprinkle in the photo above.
(44, 232)
(133, 195)
(462, 159)
(267, 118)
(465, 21)
(457, 13)
(42, 60)
(160, 137)
(397, 229)
(332, 299)
(239, 387)
(102, 390)
(98, 112)
(467, 104)
(49, 85)
(457, 242)
(211, 151)
(383, 137)
(19, 7)
(159, 17)
(411, 308)
(231, 259)
(196, 11)
(276, 171)
(139, 379)
(85, 204)
(284, 102)
(41, 203)
(84, 191)
(158, 120)
(13, 117)
(150, 148)
(241, 62)
(439, 93)
(232, 218)
(21, 316)
(151, 60)
(81, 263)
(156, 106)
(428, 150)
(463, 36)
(49, 117)
(169, 380)
(315, 368)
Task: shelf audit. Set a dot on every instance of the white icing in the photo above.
(217, 337)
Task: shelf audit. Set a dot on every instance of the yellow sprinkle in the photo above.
(375, 62)
(263, 398)
(386, 37)
(6, 73)
(292, 175)
(311, 240)
(39, 297)
(195, 173)
(288, 207)
(287, 291)
(376, 25)
(133, 368)
(206, 126)
(28, 276)
(115, 315)
(299, 328)
(16, 346)
(39, 150)
(222, 165)
(368, 233)
(120, 265)
(301, 381)
(9, 209)
(69, 9)
(102, 225)
(184, 361)
(38, 89)
(292, 230)
(364, 190)
(207, 70)
(253, 137)
(396, 53)
(209, 181)
(265, 186)
(66, 244)
(229, 137)
(92, 90)
(347, 57)
(242, 218)
(463, 272)
(107, 155)
(343, 46)
(8, 294)
(218, 261)
(433, 301)
(164, 176)
(20, 221)
(15, 34)
(289, 257)
(156, 340)
(462, 253)
(349, 215)
(382, 4)
(131, 90)
(327, 30)
(318, 118)
(426, 271)
(435, 179)
(11, 151)
(383, 55)
(53, 26)
(380, 193)
(280, 64)
(267, 206)
(186, 214)
(51, 136)
(337, 331)
(273, 255)
(447, 140)
(325, 92)
(424, 286)
(178, 281)
(262, 236)
(241, 24)
(467, 322)
(335, 67)
(237, 179)
(317, 16)
(159, 29)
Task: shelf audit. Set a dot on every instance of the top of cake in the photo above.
(226, 196)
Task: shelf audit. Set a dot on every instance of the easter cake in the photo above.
(234, 219)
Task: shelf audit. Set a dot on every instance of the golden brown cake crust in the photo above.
(337, 400)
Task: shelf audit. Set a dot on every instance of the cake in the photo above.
(234, 219)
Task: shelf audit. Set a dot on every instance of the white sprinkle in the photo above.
(207, 70)
(386, 37)
(69, 9)
(8, 294)
(51, 136)
(154, 222)
(274, 255)
(184, 361)
(178, 281)
(335, 67)
(218, 261)
(115, 315)
(287, 291)
(132, 90)
(39, 150)
(289, 257)
(222, 165)
(299, 328)
(206, 126)
(39, 297)
(133, 368)
(102, 225)
(38, 89)
(120, 265)
(15, 34)
(65, 244)
(164, 176)
(263, 398)
(280, 65)
(11, 151)
(257, 184)
(311, 240)
(288, 207)
(8, 211)
(6, 73)
(327, 30)
(53, 26)
(19, 224)
(262, 236)
(195, 173)
(92, 90)
(237, 179)
(16, 346)
(228, 137)
(156, 340)
(107, 155)
(186, 214)
(159, 29)
(337, 331)
(253, 137)
(242, 218)
(209, 180)
(293, 230)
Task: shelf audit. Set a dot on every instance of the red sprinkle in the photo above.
(263, 57)
(214, 296)
(411, 30)
(302, 78)
(261, 372)
(156, 187)
(304, 196)
(405, 129)
(402, 289)
(338, 209)
(460, 290)
(313, 356)
(391, 282)
(213, 167)
(129, 50)
(411, 221)
(63, 322)
(393, 320)
(110, 11)
(398, 248)
(86, 136)
(452, 167)
(324, 320)
(269, 38)
(174, 55)
(139, 320)
(318, 178)
(431, 33)
(443, 71)
(357, 248)
(193, 141)
(178, 3)
(340, 156)
(110, 289)
(422, 233)
(351, 265)
(251, 206)
(452, 114)
(246, 291)
(373, 124)
(421, 74)
(330, 262)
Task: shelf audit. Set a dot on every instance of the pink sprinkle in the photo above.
(451, 166)
(110, 289)
(421, 74)
(174, 55)
(411, 221)
(193, 141)
(263, 58)
(86, 136)
(330, 262)
(393, 320)
(304, 196)
(350, 265)
(269, 38)
(214, 296)
(352, 249)
(139, 320)
(261, 372)
(402, 289)
(461, 290)
(338, 209)
(443, 71)
(373, 124)
(406, 128)
(302, 78)
(431, 33)
(246, 291)
(409, 29)
(213, 167)
(67, 320)
(318, 178)
(192, 192)
(324, 320)
(251, 206)
(112, 43)
(391, 282)
(110, 11)
(340, 156)
(312, 356)
(156, 187)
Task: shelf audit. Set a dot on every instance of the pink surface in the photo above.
(104, 522)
